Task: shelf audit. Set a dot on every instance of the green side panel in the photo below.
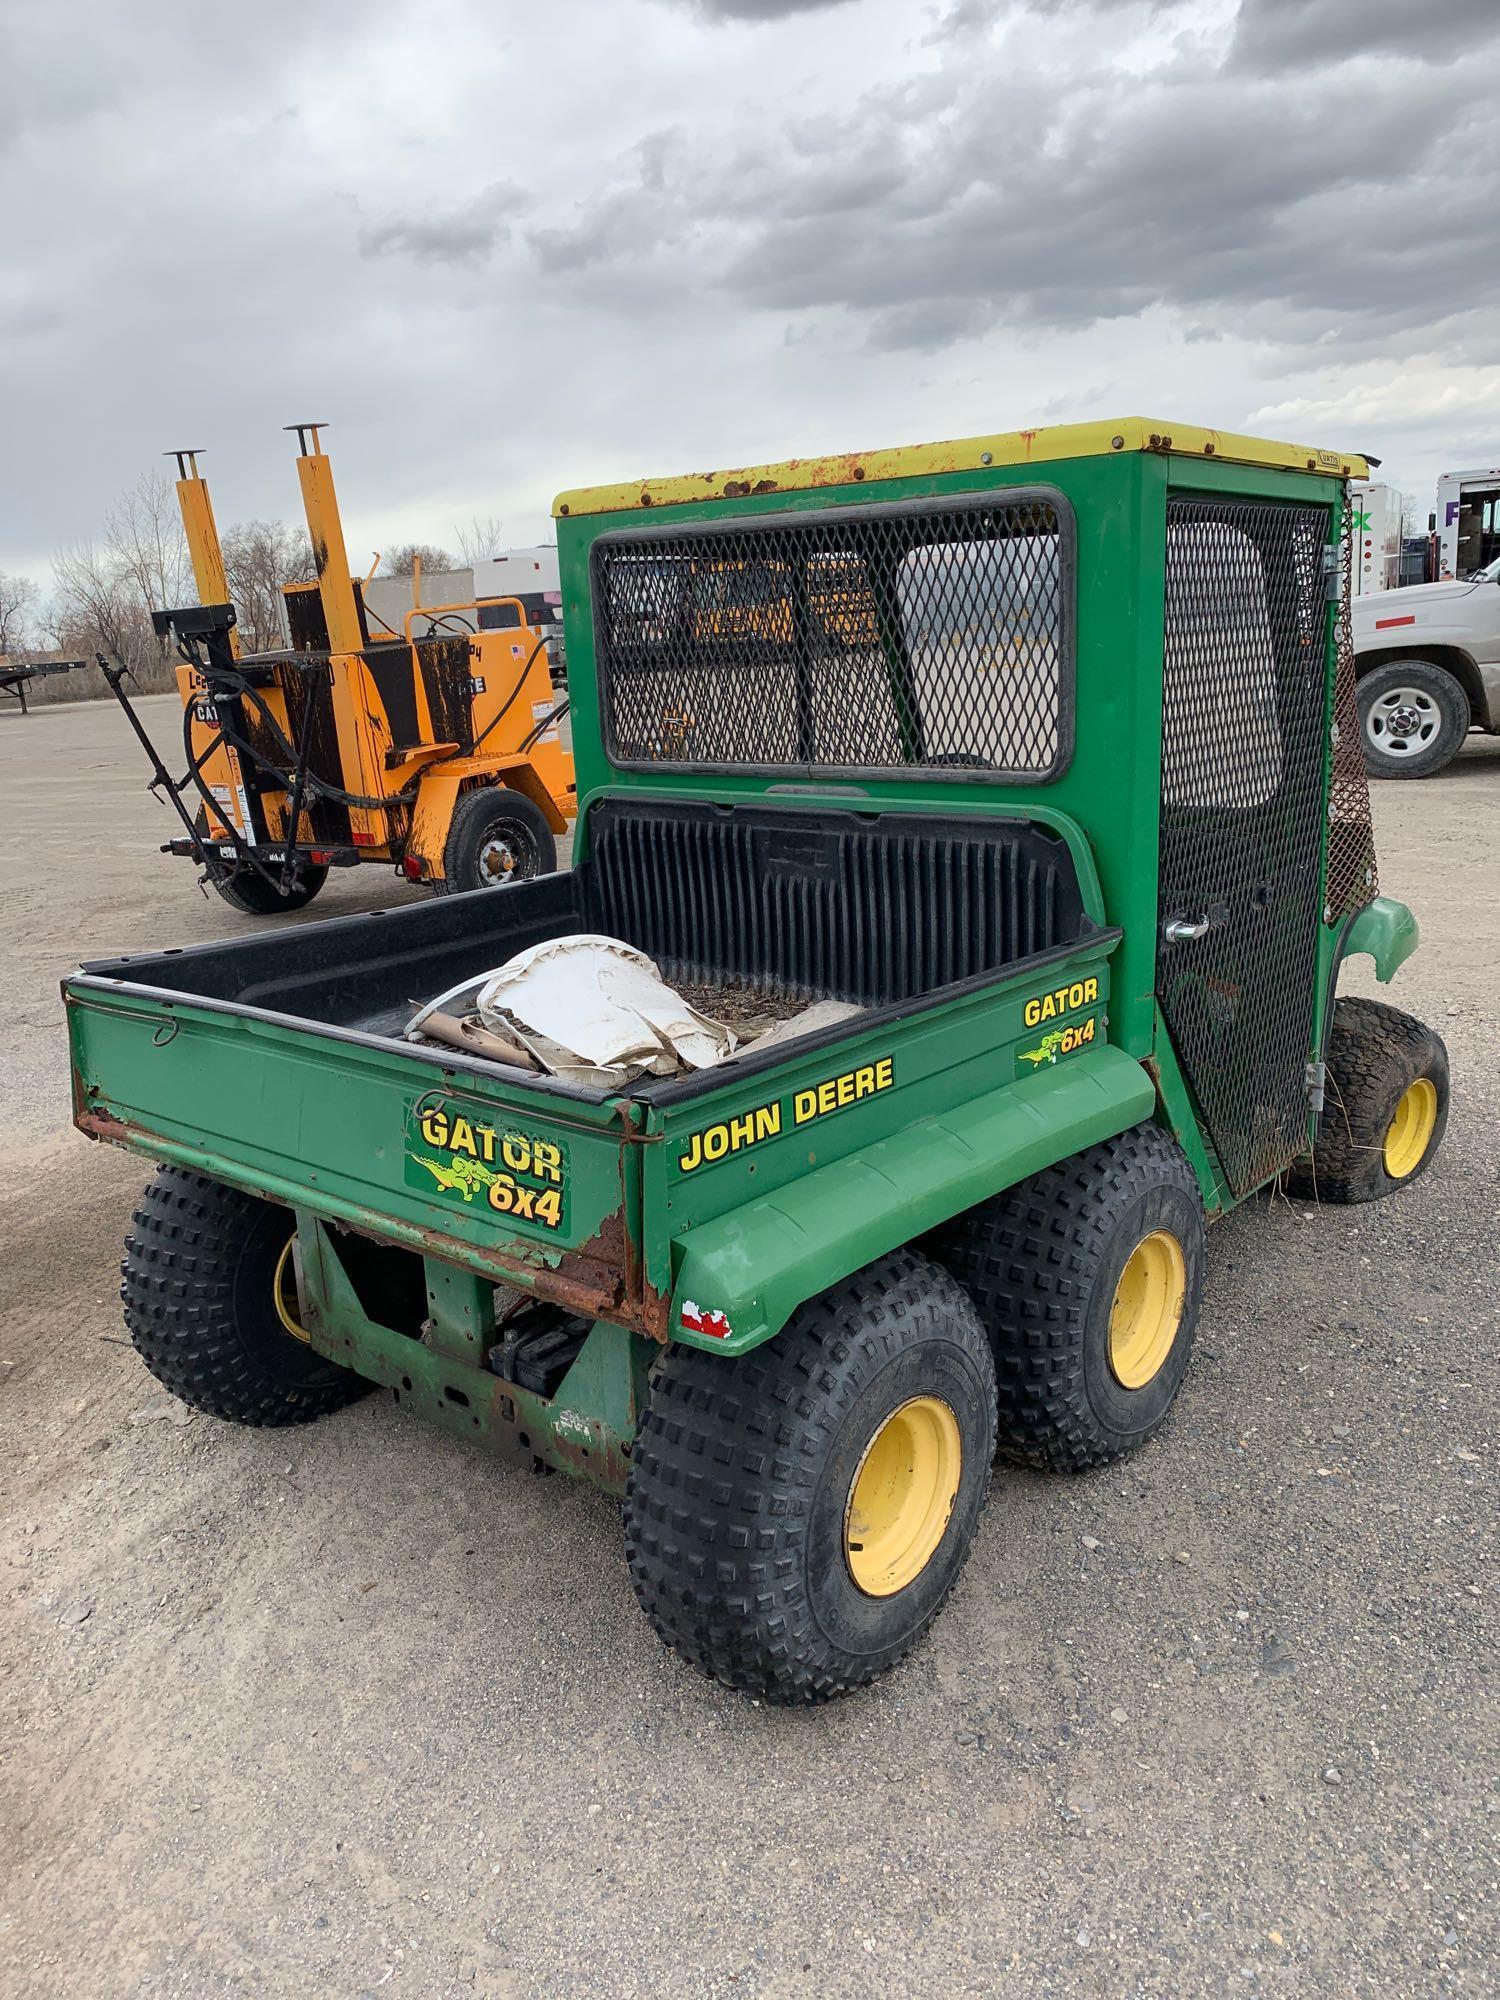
(750, 1269)
(1387, 931)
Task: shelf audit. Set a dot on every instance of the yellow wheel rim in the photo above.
(902, 1496)
(1147, 1309)
(1410, 1131)
(284, 1293)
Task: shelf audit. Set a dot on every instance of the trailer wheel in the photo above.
(496, 836)
(257, 897)
(1385, 1105)
(211, 1308)
(796, 1516)
(1413, 717)
(1087, 1279)
(252, 893)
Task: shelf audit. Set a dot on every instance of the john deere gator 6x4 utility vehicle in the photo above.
(1040, 753)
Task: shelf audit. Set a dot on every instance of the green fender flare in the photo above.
(1385, 929)
(748, 1271)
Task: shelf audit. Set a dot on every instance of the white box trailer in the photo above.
(531, 575)
(1468, 521)
(1377, 536)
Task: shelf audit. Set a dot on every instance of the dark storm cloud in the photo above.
(990, 191)
(1274, 36)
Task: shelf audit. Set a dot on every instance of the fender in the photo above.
(737, 1280)
(1387, 931)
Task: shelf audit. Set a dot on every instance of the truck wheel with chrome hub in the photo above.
(796, 1515)
(1087, 1280)
(1385, 1105)
(1413, 719)
(497, 836)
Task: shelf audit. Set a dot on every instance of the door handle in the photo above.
(1186, 930)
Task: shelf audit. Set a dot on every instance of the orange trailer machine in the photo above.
(439, 754)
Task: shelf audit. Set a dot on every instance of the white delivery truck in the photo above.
(1377, 536)
(1468, 521)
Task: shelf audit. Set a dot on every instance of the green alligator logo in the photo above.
(459, 1176)
(1047, 1049)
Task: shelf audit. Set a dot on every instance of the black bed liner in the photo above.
(877, 908)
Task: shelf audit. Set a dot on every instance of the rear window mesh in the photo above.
(933, 639)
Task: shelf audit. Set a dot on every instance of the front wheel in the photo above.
(796, 1516)
(1385, 1105)
(497, 836)
(1413, 719)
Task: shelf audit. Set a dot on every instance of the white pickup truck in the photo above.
(1427, 660)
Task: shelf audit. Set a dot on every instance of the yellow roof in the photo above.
(963, 455)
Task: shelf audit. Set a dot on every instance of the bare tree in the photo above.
(147, 548)
(259, 557)
(17, 599)
(402, 560)
(482, 538)
(97, 609)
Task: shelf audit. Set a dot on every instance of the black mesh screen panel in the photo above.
(934, 637)
(1241, 817)
(1351, 838)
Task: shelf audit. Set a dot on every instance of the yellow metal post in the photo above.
(202, 533)
(362, 765)
(320, 503)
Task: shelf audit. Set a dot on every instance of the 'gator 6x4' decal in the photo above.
(503, 1169)
(1055, 1044)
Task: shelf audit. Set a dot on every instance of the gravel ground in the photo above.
(354, 1710)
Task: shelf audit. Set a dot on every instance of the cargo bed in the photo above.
(276, 1062)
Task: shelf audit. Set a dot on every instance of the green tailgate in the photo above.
(527, 1186)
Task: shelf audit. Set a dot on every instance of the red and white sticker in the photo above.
(704, 1319)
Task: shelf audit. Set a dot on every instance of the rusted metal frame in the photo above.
(586, 1430)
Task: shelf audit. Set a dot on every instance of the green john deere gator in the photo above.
(1041, 752)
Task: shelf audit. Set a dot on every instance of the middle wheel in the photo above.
(796, 1516)
(1087, 1278)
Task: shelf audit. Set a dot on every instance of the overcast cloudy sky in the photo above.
(505, 248)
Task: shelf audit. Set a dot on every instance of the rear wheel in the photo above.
(796, 1516)
(497, 836)
(1385, 1105)
(1413, 717)
(1087, 1279)
(211, 1304)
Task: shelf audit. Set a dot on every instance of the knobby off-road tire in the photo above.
(1385, 1105)
(1087, 1279)
(201, 1268)
(1413, 718)
(741, 1524)
(496, 836)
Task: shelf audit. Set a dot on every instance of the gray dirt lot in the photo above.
(354, 1710)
